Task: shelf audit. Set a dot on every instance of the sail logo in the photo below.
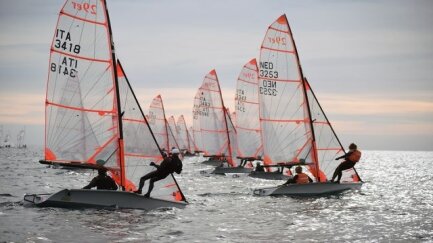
(86, 7)
(278, 40)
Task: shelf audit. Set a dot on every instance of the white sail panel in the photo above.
(283, 115)
(249, 140)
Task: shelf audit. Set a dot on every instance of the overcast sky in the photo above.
(370, 63)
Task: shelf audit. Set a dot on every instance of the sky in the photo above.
(370, 63)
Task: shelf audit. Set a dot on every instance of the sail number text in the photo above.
(240, 97)
(268, 87)
(63, 41)
(67, 67)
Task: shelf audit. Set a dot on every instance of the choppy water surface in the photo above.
(396, 204)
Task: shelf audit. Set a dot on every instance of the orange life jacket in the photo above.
(302, 179)
(355, 156)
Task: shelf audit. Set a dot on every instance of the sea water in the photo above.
(394, 204)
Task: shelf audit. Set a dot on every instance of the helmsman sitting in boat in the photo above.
(299, 178)
(102, 181)
(168, 165)
(351, 158)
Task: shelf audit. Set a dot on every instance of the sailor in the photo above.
(168, 165)
(102, 181)
(259, 167)
(353, 156)
(299, 178)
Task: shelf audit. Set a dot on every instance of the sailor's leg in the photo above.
(143, 179)
(151, 182)
(336, 172)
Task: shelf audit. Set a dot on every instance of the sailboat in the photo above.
(21, 138)
(93, 118)
(295, 129)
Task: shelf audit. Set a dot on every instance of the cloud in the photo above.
(22, 108)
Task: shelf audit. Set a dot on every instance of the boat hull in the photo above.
(80, 198)
(212, 162)
(231, 170)
(310, 189)
(268, 175)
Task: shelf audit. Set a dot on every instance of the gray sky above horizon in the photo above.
(369, 62)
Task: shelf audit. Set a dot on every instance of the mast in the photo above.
(119, 110)
(225, 120)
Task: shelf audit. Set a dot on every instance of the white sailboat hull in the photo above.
(212, 162)
(80, 198)
(310, 189)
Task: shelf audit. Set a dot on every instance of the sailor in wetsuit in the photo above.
(299, 178)
(350, 160)
(102, 181)
(168, 165)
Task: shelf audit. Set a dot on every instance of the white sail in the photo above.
(249, 140)
(284, 118)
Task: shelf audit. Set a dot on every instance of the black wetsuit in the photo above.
(167, 166)
(345, 165)
(260, 168)
(102, 182)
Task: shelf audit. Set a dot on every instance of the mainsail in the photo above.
(249, 140)
(290, 116)
(81, 110)
(184, 142)
(197, 112)
(213, 120)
